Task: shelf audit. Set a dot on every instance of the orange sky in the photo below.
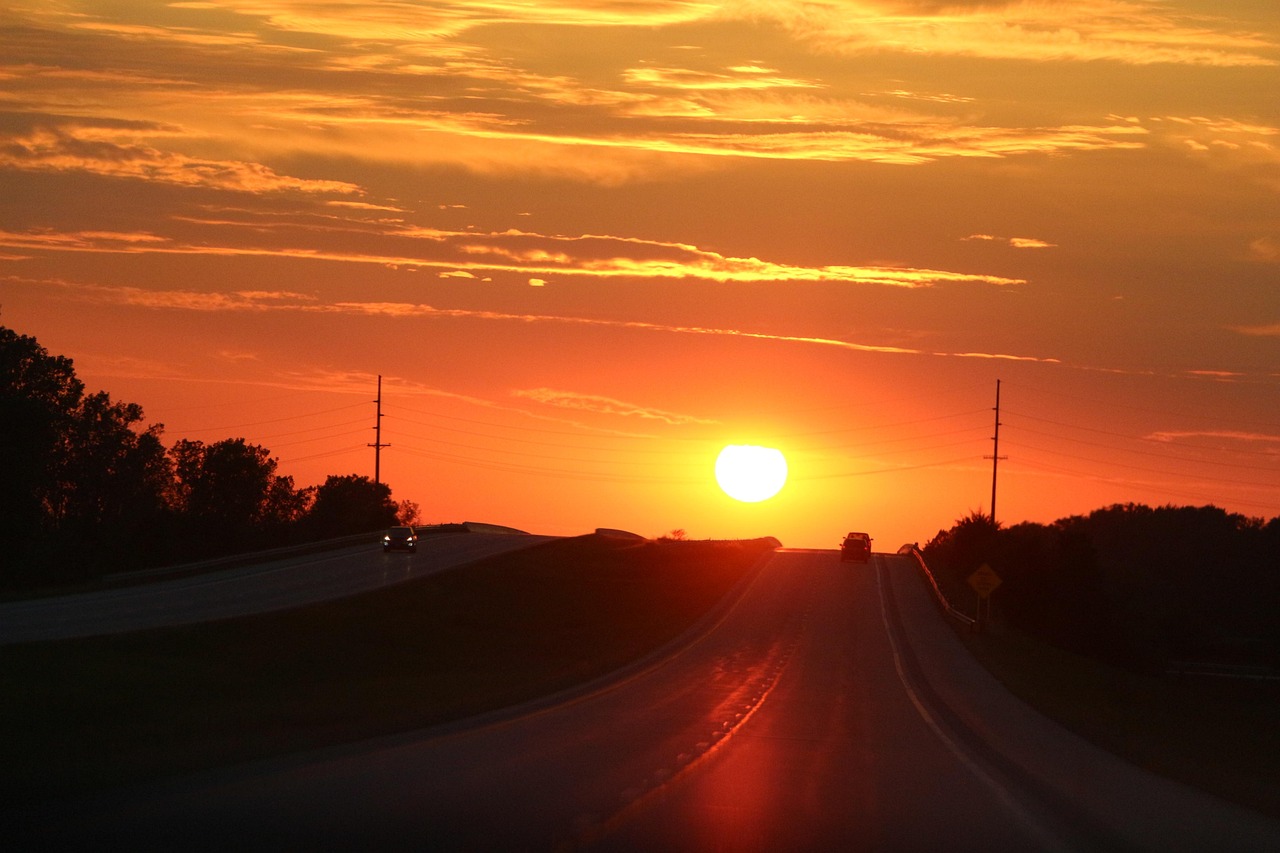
(588, 244)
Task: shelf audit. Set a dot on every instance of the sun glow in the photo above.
(749, 473)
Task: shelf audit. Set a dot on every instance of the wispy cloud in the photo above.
(605, 405)
(1265, 330)
(117, 149)
(1014, 242)
(1130, 31)
(485, 111)
(261, 302)
(1255, 438)
(1135, 32)
(459, 253)
(1265, 249)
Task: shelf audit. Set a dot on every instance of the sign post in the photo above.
(984, 582)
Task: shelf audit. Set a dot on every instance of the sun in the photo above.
(749, 473)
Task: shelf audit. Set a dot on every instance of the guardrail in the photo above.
(963, 618)
(1209, 669)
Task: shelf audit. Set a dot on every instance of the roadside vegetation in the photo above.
(1106, 623)
(1138, 587)
(87, 489)
(95, 713)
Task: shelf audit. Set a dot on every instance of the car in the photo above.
(856, 548)
(400, 539)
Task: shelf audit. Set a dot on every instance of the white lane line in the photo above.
(1048, 840)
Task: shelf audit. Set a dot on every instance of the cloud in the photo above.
(1248, 148)
(1266, 330)
(605, 405)
(285, 301)
(115, 149)
(536, 256)
(730, 79)
(1014, 242)
(1266, 249)
(1231, 435)
(1133, 32)
(1129, 31)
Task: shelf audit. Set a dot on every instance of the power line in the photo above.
(273, 420)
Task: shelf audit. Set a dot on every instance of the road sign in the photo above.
(984, 580)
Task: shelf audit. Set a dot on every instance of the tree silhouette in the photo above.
(351, 504)
(86, 488)
(228, 492)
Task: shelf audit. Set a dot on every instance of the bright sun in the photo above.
(749, 473)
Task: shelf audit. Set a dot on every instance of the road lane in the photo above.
(278, 585)
(839, 757)
(796, 721)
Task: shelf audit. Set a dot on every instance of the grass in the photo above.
(86, 714)
(1217, 735)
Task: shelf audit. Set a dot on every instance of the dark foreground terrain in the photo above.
(99, 712)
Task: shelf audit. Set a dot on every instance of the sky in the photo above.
(585, 245)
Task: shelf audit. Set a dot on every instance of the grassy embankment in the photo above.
(1216, 735)
(85, 714)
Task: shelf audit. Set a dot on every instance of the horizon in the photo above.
(587, 247)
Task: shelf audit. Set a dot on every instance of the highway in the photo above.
(276, 585)
(826, 706)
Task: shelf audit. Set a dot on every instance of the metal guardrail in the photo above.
(963, 618)
(1208, 669)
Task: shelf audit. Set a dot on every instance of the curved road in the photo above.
(278, 585)
(828, 708)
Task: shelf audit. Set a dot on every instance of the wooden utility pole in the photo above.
(377, 441)
(995, 455)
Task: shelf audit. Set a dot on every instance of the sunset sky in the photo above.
(587, 244)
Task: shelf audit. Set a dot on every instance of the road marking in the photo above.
(1047, 839)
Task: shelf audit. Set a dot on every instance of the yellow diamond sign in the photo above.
(984, 580)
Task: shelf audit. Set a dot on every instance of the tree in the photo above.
(38, 392)
(408, 512)
(350, 504)
(227, 493)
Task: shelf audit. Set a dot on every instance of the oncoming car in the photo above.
(856, 548)
(400, 539)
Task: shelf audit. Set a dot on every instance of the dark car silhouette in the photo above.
(400, 539)
(856, 548)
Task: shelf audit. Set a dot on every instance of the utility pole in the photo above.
(377, 440)
(995, 455)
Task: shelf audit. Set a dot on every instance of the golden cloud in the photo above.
(525, 253)
(1126, 31)
(119, 152)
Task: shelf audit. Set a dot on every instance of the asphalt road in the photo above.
(278, 585)
(827, 708)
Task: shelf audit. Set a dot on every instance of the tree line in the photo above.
(87, 489)
(1129, 584)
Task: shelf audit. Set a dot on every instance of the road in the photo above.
(278, 585)
(826, 707)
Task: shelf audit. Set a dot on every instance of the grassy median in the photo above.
(1218, 735)
(79, 715)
